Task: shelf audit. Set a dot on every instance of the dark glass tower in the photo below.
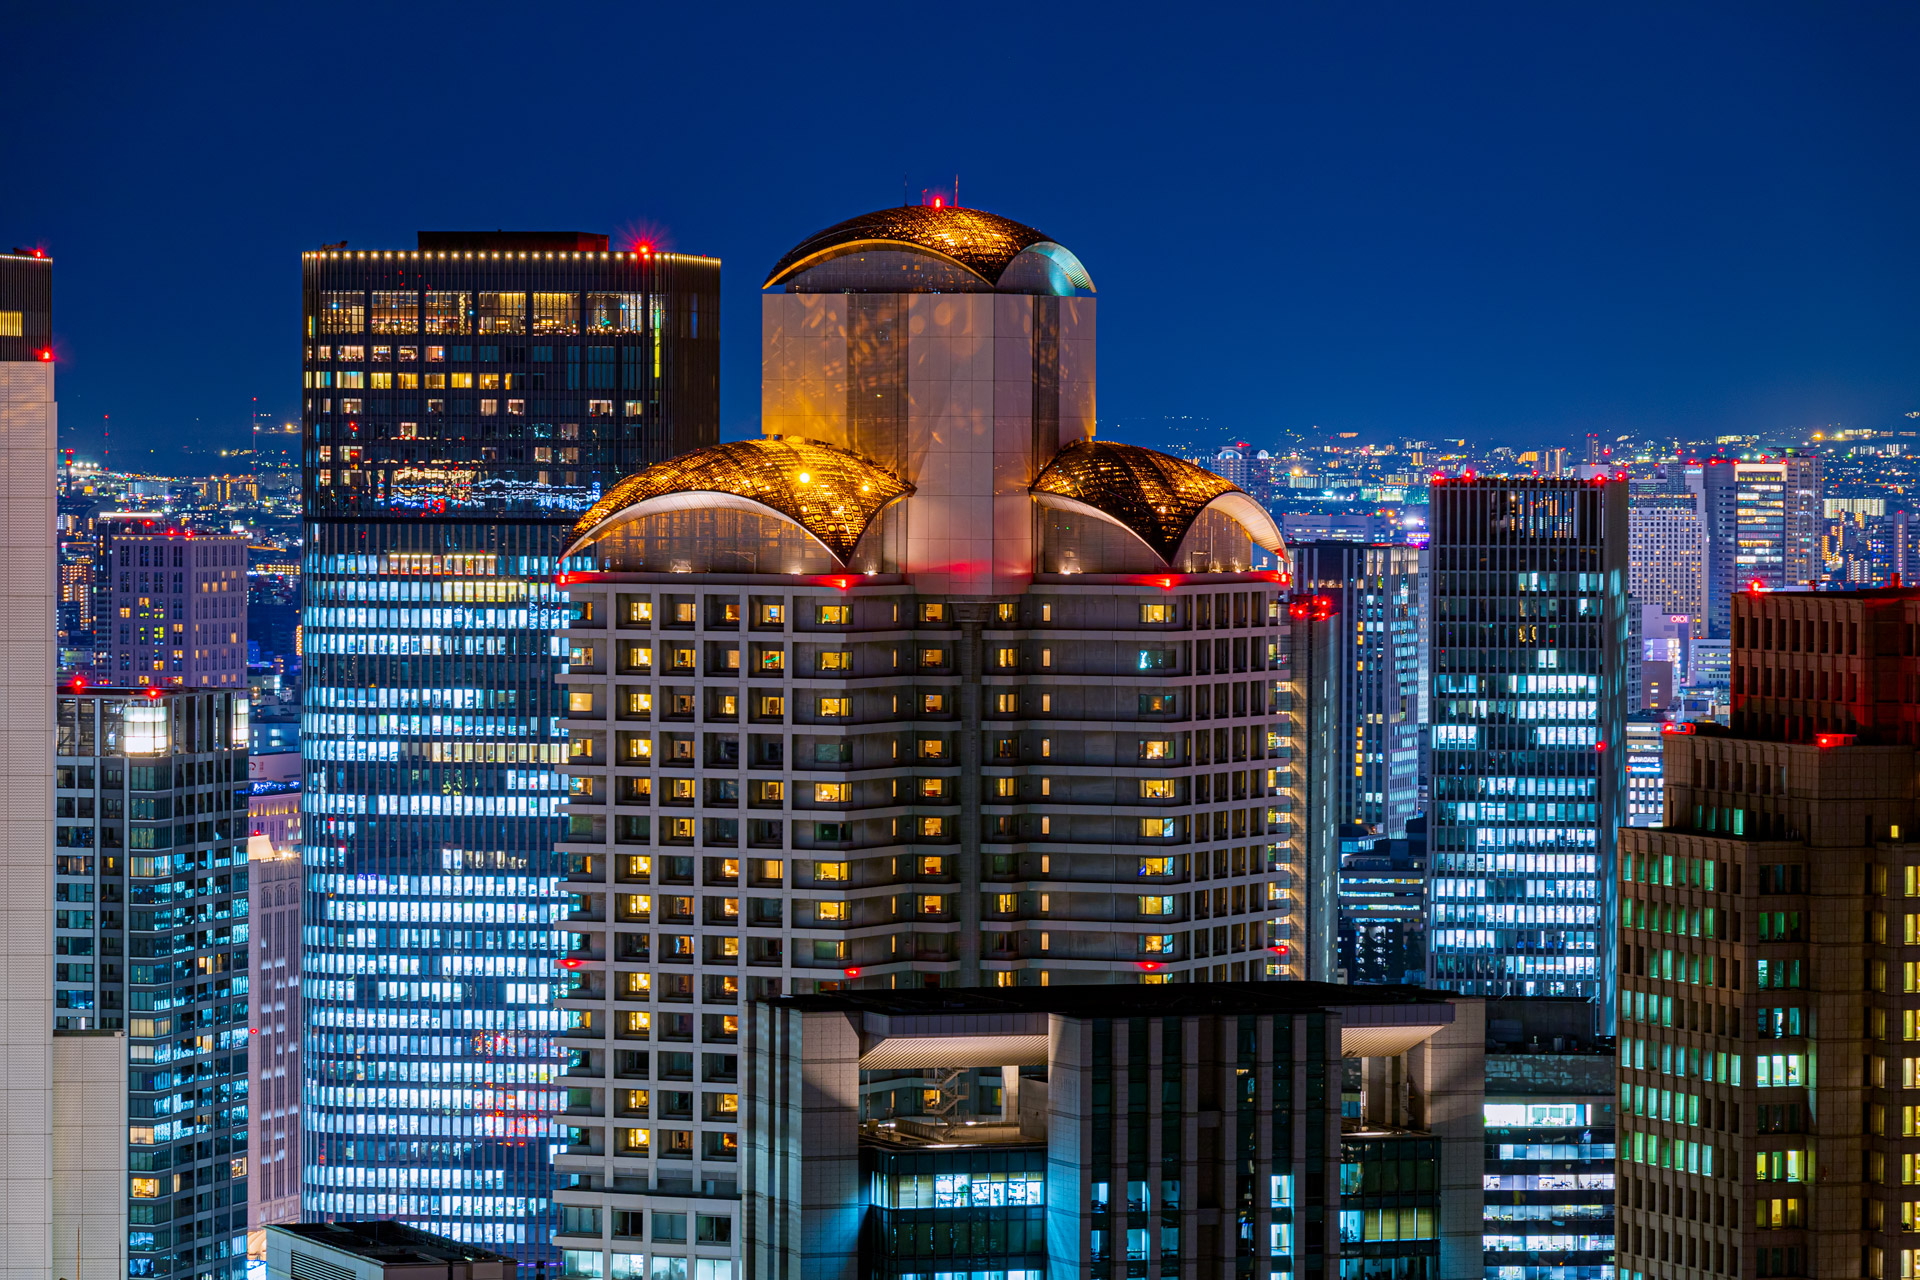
(1529, 639)
(464, 402)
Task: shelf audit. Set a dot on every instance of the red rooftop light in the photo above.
(853, 972)
(153, 693)
(570, 963)
(46, 353)
(1825, 740)
(1676, 728)
(1151, 966)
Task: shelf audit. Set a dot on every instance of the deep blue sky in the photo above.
(1517, 222)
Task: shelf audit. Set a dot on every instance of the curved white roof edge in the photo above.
(1254, 518)
(693, 500)
(1061, 502)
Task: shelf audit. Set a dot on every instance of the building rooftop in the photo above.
(829, 492)
(981, 243)
(1153, 495)
(585, 241)
(1104, 1001)
(390, 1243)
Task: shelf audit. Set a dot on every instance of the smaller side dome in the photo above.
(830, 493)
(1153, 495)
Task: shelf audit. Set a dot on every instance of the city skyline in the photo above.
(1690, 229)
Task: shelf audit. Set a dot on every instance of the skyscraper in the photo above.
(150, 936)
(1377, 592)
(926, 687)
(171, 606)
(27, 430)
(1529, 641)
(1779, 521)
(1667, 556)
(464, 402)
(1719, 489)
(1767, 999)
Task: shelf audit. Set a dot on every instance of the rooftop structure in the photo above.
(1138, 1127)
(379, 1249)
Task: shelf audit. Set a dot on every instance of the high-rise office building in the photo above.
(1383, 907)
(1780, 517)
(274, 1079)
(1529, 650)
(1717, 482)
(1376, 589)
(150, 935)
(464, 402)
(1766, 995)
(27, 434)
(925, 687)
(1667, 556)
(171, 605)
(1550, 1132)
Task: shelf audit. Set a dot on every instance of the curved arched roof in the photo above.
(981, 242)
(829, 492)
(1152, 495)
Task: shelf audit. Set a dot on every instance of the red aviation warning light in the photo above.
(1676, 728)
(1825, 740)
(852, 972)
(1150, 966)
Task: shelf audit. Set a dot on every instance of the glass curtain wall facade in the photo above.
(1378, 592)
(150, 936)
(464, 403)
(1530, 639)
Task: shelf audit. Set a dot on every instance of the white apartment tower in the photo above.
(27, 436)
(1667, 556)
(925, 687)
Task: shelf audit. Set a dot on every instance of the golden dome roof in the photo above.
(831, 493)
(1154, 495)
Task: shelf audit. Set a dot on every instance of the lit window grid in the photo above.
(1536, 860)
(393, 957)
(122, 944)
(601, 718)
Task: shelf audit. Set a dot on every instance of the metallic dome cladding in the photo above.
(829, 492)
(982, 244)
(1155, 496)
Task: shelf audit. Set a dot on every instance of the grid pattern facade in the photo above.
(1529, 641)
(464, 404)
(1780, 521)
(784, 787)
(172, 607)
(150, 936)
(1667, 557)
(1378, 592)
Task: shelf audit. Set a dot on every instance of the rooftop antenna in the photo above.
(906, 197)
(956, 191)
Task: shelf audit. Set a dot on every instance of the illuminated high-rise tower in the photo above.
(1530, 652)
(925, 687)
(464, 402)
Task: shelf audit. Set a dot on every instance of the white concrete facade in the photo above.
(27, 435)
(90, 1155)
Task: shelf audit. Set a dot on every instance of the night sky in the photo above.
(1517, 223)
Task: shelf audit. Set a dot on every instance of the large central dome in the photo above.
(989, 251)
